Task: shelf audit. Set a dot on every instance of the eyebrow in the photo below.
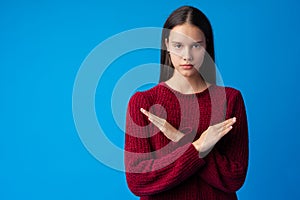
(200, 41)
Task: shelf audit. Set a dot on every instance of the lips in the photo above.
(187, 66)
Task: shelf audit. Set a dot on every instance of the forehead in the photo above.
(186, 33)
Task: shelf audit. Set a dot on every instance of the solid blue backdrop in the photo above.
(43, 44)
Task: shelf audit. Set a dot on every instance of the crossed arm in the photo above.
(221, 164)
(207, 140)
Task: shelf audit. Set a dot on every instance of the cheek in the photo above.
(175, 60)
(199, 56)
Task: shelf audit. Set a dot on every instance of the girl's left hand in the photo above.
(165, 127)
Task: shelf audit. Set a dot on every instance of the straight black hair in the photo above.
(193, 16)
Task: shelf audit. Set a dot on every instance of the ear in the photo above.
(167, 44)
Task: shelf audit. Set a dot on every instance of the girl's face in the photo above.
(186, 44)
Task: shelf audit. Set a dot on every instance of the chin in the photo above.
(190, 74)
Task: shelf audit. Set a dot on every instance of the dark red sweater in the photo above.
(157, 168)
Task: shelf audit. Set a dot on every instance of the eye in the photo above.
(177, 45)
(197, 45)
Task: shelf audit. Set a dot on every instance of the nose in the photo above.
(187, 56)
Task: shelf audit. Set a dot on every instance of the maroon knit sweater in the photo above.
(158, 168)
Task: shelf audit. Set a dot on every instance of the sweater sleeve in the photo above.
(226, 165)
(147, 173)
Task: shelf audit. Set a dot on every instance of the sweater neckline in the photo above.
(203, 92)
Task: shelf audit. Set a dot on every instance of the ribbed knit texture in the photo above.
(157, 168)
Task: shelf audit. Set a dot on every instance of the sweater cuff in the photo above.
(192, 154)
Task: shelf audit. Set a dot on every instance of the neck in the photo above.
(187, 85)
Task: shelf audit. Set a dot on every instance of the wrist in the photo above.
(178, 135)
(196, 146)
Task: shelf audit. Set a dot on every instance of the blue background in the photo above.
(43, 44)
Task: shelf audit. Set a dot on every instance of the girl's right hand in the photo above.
(212, 135)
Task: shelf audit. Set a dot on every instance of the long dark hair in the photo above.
(191, 15)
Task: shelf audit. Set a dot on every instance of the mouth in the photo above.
(187, 66)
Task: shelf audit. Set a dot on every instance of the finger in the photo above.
(226, 123)
(231, 122)
(228, 126)
(160, 125)
(225, 131)
(145, 112)
(157, 120)
(152, 116)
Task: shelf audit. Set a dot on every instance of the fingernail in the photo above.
(141, 109)
(234, 119)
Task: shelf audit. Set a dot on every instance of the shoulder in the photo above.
(230, 92)
(234, 95)
(234, 98)
(147, 97)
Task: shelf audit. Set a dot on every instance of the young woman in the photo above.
(186, 138)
